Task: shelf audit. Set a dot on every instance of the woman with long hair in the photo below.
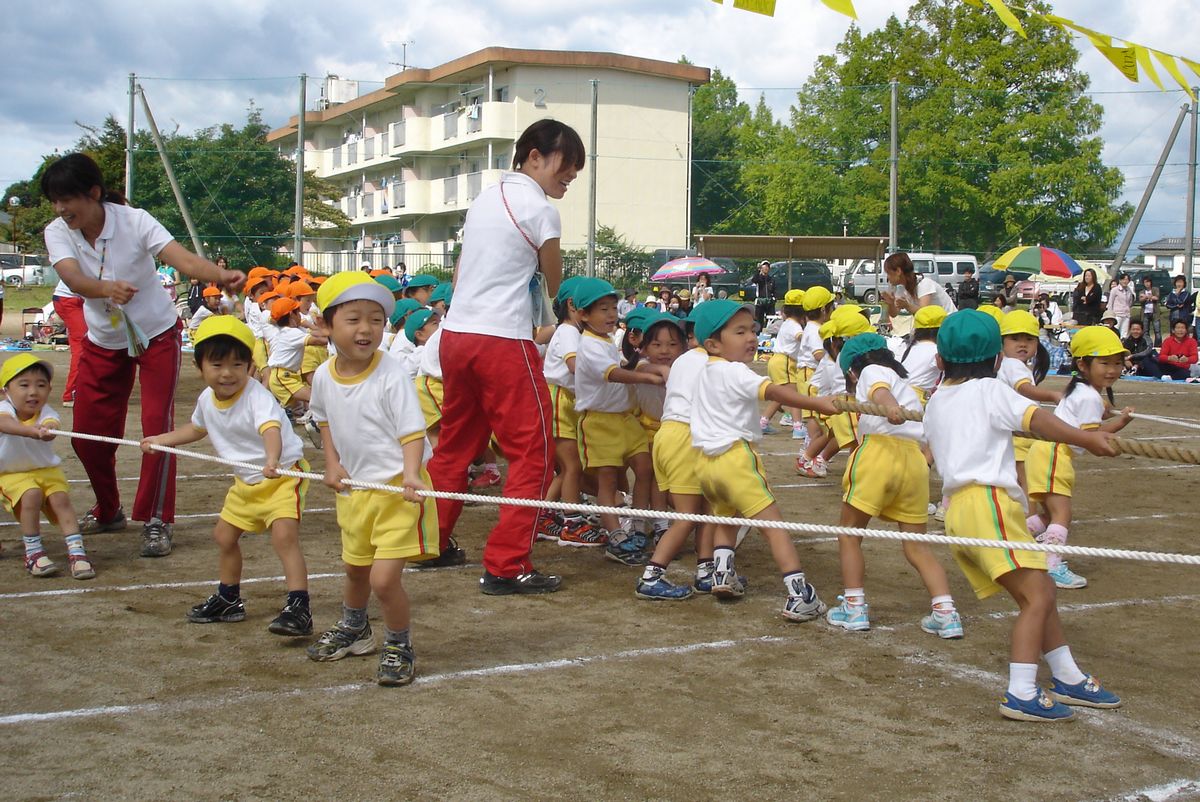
(910, 293)
(1087, 299)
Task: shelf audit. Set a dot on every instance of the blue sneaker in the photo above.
(1067, 579)
(704, 584)
(1039, 708)
(662, 590)
(852, 617)
(944, 625)
(1088, 693)
(769, 429)
(632, 550)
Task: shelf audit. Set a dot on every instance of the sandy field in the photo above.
(108, 693)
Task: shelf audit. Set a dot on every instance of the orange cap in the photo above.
(317, 280)
(296, 270)
(297, 289)
(282, 307)
(252, 282)
(211, 291)
(267, 296)
(258, 270)
(380, 272)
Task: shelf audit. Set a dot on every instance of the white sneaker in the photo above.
(820, 467)
(939, 512)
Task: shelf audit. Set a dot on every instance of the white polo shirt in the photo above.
(491, 292)
(1014, 372)
(61, 290)
(431, 356)
(255, 318)
(872, 378)
(201, 314)
(21, 454)
(787, 341)
(125, 249)
(969, 427)
(828, 378)
(921, 364)
(563, 345)
(926, 286)
(369, 417)
(287, 348)
(1083, 409)
(681, 385)
(650, 399)
(235, 427)
(725, 407)
(810, 342)
(596, 358)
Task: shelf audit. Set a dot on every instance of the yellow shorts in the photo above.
(284, 384)
(16, 484)
(650, 426)
(432, 393)
(609, 439)
(845, 428)
(888, 478)
(922, 396)
(253, 508)
(675, 459)
(992, 514)
(378, 525)
(734, 481)
(803, 377)
(1021, 447)
(259, 354)
(314, 357)
(781, 369)
(566, 419)
(1049, 468)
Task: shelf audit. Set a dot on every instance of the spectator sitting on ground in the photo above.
(1110, 320)
(1048, 313)
(1177, 358)
(1141, 359)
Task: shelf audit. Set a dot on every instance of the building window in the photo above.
(500, 94)
(1164, 262)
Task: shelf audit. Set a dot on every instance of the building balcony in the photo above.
(414, 198)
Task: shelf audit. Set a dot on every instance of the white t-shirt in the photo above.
(563, 345)
(255, 318)
(828, 378)
(1014, 372)
(431, 356)
(594, 360)
(787, 341)
(491, 293)
(61, 290)
(235, 428)
(926, 286)
(681, 385)
(969, 427)
(725, 407)
(400, 345)
(369, 416)
(287, 348)
(921, 364)
(810, 342)
(124, 251)
(1083, 409)
(228, 304)
(875, 376)
(198, 317)
(410, 361)
(650, 399)
(21, 454)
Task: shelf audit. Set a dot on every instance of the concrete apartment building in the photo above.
(411, 157)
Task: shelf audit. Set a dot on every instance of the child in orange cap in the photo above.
(285, 361)
(212, 306)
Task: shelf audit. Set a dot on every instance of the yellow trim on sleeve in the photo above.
(568, 356)
(611, 368)
(1021, 383)
(411, 437)
(876, 386)
(271, 424)
(1027, 418)
(1087, 427)
(762, 390)
(323, 424)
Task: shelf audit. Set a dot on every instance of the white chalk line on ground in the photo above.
(182, 517)
(1163, 792)
(243, 697)
(177, 478)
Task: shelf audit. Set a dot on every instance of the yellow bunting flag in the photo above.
(1123, 58)
(1007, 17)
(766, 7)
(842, 7)
(1143, 59)
(1193, 66)
(1168, 62)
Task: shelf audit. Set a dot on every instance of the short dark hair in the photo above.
(75, 175)
(1178, 279)
(963, 371)
(550, 136)
(220, 346)
(36, 367)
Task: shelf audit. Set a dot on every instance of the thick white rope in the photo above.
(1163, 419)
(626, 512)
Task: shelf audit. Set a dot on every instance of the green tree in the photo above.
(717, 117)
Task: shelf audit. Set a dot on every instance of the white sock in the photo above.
(1022, 680)
(722, 559)
(854, 596)
(1062, 666)
(943, 604)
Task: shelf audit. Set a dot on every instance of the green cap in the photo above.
(857, 346)
(590, 290)
(711, 316)
(390, 282)
(443, 292)
(641, 318)
(969, 336)
(403, 309)
(415, 322)
(421, 280)
(661, 317)
(567, 289)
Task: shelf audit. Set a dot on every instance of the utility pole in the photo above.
(1190, 232)
(129, 142)
(162, 153)
(591, 243)
(298, 244)
(687, 212)
(894, 178)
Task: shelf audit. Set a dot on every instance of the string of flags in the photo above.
(1130, 58)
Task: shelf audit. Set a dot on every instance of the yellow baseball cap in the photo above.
(354, 285)
(19, 364)
(1019, 321)
(1096, 341)
(849, 322)
(816, 298)
(929, 317)
(828, 329)
(992, 312)
(226, 325)
(794, 298)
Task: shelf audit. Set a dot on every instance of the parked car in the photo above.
(947, 269)
(1161, 277)
(859, 282)
(991, 280)
(20, 269)
(800, 274)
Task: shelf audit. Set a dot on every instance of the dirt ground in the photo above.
(107, 692)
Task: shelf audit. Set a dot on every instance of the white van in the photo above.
(863, 281)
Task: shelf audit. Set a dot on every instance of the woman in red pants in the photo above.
(492, 373)
(69, 308)
(105, 250)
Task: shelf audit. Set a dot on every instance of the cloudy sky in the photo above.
(69, 60)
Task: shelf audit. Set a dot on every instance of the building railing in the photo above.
(369, 148)
(398, 134)
(450, 125)
(474, 118)
(351, 153)
(450, 190)
(398, 195)
(337, 158)
(474, 185)
(368, 205)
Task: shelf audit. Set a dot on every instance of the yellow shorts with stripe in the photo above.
(888, 478)
(284, 384)
(845, 428)
(432, 394)
(610, 439)
(314, 357)
(1049, 468)
(781, 369)
(379, 525)
(18, 483)
(259, 354)
(650, 426)
(1021, 446)
(734, 481)
(253, 508)
(989, 513)
(675, 459)
(922, 395)
(566, 420)
(804, 387)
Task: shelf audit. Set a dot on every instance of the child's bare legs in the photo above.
(921, 557)
(771, 409)
(606, 496)
(1024, 485)
(830, 448)
(1058, 509)
(285, 538)
(303, 394)
(432, 433)
(567, 452)
(677, 533)
(385, 581)
(229, 553)
(30, 514)
(850, 554)
(802, 604)
(643, 478)
(782, 547)
(817, 444)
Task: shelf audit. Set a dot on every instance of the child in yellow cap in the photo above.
(781, 366)
(818, 306)
(841, 430)
(30, 480)
(1050, 467)
(920, 357)
(1025, 364)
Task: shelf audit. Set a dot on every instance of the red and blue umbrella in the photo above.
(1037, 259)
(686, 267)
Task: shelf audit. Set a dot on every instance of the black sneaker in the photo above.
(340, 641)
(156, 539)
(90, 524)
(452, 555)
(533, 582)
(217, 610)
(397, 664)
(295, 620)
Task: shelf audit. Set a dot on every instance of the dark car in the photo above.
(800, 274)
(1162, 279)
(992, 280)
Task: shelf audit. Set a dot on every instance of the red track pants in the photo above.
(102, 393)
(70, 309)
(495, 385)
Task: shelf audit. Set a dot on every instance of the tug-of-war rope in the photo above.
(791, 526)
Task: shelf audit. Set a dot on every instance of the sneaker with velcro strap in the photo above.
(944, 624)
(40, 564)
(1065, 578)
(1039, 708)
(579, 533)
(218, 610)
(531, 583)
(340, 641)
(662, 589)
(633, 549)
(1089, 693)
(727, 585)
(295, 620)
(397, 665)
(850, 617)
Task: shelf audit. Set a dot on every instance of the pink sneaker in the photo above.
(488, 477)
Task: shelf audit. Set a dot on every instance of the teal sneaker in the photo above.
(944, 625)
(852, 617)
(1088, 693)
(1067, 579)
(661, 589)
(1039, 708)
